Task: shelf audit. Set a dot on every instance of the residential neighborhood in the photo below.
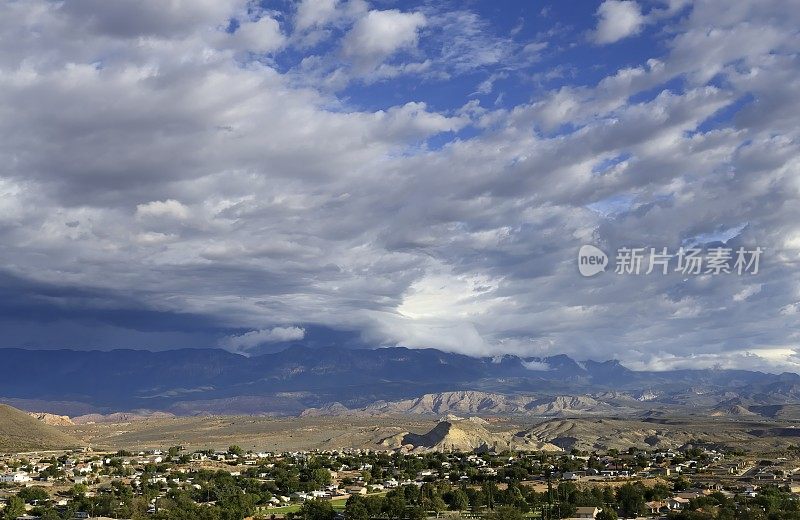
(366, 484)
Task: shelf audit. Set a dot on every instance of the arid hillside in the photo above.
(413, 432)
(21, 432)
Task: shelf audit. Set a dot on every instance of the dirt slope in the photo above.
(52, 419)
(21, 432)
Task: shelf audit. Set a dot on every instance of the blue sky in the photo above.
(241, 175)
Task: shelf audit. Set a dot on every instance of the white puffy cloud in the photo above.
(311, 13)
(163, 208)
(262, 35)
(379, 34)
(249, 340)
(617, 19)
(536, 366)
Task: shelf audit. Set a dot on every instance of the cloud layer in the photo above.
(419, 173)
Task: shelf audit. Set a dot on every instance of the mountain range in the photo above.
(400, 380)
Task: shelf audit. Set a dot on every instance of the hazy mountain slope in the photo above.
(789, 412)
(21, 432)
(117, 418)
(462, 402)
(470, 402)
(190, 381)
(568, 405)
(735, 407)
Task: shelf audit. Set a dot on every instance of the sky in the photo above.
(243, 175)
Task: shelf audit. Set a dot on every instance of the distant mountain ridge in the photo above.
(471, 402)
(192, 381)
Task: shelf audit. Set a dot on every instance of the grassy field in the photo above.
(338, 505)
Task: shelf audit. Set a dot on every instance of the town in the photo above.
(692, 483)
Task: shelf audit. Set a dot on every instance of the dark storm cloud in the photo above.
(166, 180)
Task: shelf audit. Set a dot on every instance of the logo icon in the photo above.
(591, 260)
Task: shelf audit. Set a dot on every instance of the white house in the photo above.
(677, 503)
(16, 478)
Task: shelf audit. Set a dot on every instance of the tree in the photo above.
(14, 507)
(459, 500)
(356, 509)
(317, 510)
(418, 513)
(658, 492)
(681, 484)
(606, 514)
(430, 499)
(394, 506)
(506, 513)
(630, 498)
(46, 513)
(489, 492)
(235, 450)
(321, 477)
(34, 494)
(79, 490)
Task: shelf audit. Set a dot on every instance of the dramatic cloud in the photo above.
(205, 173)
(247, 341)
